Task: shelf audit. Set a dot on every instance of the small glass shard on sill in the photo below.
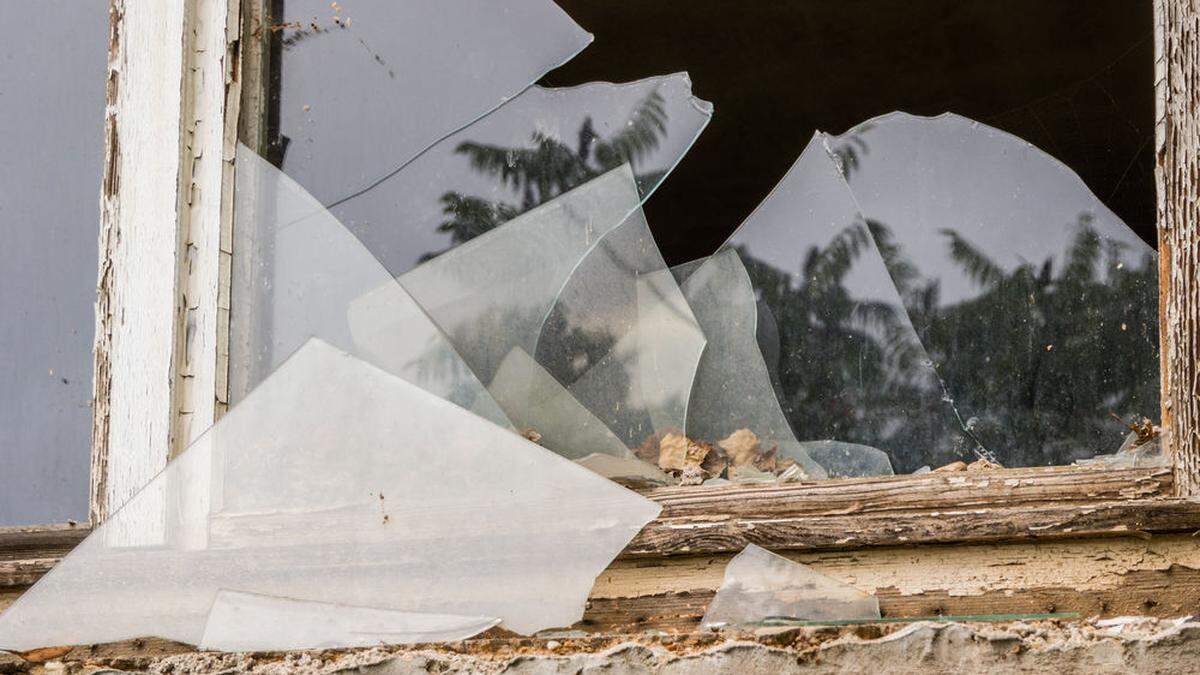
(247, 622)
(538, 146)
(300, 274)
(1039, 305)
(760, 585)
(848, 460)
(337, 482)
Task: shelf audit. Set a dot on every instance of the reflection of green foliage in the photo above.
(1038, 357)
(550, 167)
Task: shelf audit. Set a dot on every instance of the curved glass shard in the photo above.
(245, 622)
(760, 585)
(537, 404)
(538, 146)
(299, 274)
(732, 388)
(830, 327)
(1038, 305)
(336, 482)
(365, 86)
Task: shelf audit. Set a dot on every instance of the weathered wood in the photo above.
(1037, 486)
(1177, 132)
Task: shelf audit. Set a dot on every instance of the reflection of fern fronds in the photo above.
(640, 137)
(978, 266)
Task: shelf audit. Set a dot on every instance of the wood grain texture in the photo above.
(136, 308)
(1177, 138)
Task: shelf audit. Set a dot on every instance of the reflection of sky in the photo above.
(398, 220)
(52, 63)
(358, 101)
(1007, 198)
(808, 208)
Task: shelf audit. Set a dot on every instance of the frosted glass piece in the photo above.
(848, 460)
(1037, 303)
(337, 482)
(243, 622)
(538, 146)
(760, 585)
(365, 86)
(299, 273)
(834, 343)
(732, 388)
(536, 402)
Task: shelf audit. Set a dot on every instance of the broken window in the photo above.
(52, 59)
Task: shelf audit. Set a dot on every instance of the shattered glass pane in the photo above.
(577, 283)
(364, 87)
(336, 482)
(52, 62)
(298, 273)
(243, 622)
(760, 585)
(1038, 305)
(538, 146)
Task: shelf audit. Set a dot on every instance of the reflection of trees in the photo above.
(1040, 355)
(549, 168)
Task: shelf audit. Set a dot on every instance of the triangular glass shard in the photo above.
(337, 482)
(841, 355)
(365, 86)
(299, 273)
(244, 622)
(760, 585)
(538, 405)
(732, 388)
(1038, 305)
(684, 270)
(622, 337)
(541, 144)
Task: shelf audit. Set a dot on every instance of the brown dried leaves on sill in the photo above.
(739, 458)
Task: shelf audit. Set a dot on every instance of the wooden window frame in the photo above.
(162, 327)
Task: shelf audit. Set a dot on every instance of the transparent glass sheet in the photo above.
(760, 585)
(836, 357)
(336, 482)
(1038, 305)
(536, 147)
(364, 86)
(298, 273)
(52, 74)
(243, 622)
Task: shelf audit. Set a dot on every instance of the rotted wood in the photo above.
(1177, 138)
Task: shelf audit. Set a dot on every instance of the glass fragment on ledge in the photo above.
(1038, 305)
(337, 482)
(299, 274)
(760, 585)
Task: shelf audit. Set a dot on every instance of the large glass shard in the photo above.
(336, 482)
(833, 340)
(52, 59)
(760, 585)
(244, 622)
(298, 274)
(365, 86)
(1038, 305)
(538, 146)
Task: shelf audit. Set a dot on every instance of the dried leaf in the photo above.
(691, 475)
(953, 466)
(676, 452)
(741, 446)
(983, 465)
(44, 654)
